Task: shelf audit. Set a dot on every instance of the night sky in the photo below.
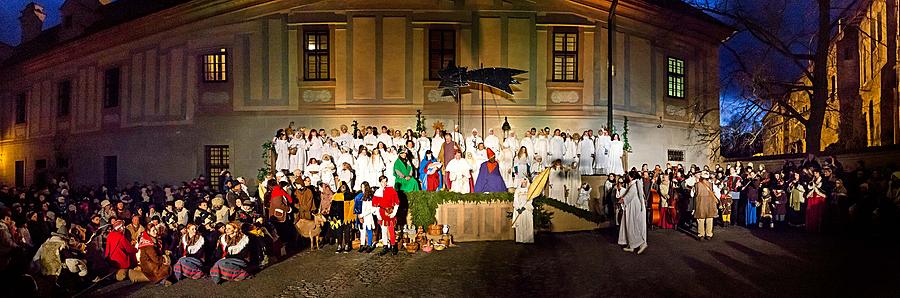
(9, 17)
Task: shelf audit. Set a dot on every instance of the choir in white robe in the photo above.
(557, 149)
(542, 148)
(479, 157)
(423, 144)
(298, 161)
(364, 171)
(316, 148)
(573, 182)
(528, 143)
(344, 140)
(370, 141)
(386, 139)
(326, 172)
(601, 157)
(557, 184)
(633, 230)
(521, 168)
(282, 160)
(586, 157)
(313, 171)
(616, 150)
(492, 141)
(460, 173)
(377, 169)
(570, 155)
(472, 143)
(511, 143)
(524, 220)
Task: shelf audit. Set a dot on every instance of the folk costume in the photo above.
(815, 206)
(232, 265)
(190, 265)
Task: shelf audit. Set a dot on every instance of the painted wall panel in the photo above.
(639, 74)
(363, 58)
(519, 54)
(393, 68)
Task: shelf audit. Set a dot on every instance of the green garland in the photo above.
(627, 145)
(581, 213)
(423, 206)
(420, 123)
(262, 172)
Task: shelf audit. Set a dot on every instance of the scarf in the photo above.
(145, 241)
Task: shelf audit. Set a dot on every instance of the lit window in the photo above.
(315, 56)
(565, 56)
(675, 78)
(675, 155)
(216, 161)
(215, 66)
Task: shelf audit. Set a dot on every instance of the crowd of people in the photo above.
(350, 185)
(814, 195)
(448, 160)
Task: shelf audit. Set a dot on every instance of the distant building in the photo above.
(137, 90)
(855, 117)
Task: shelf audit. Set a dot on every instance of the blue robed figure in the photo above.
(430, 174)
(489, 178)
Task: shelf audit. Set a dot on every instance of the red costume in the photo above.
(119, 250)
(387, 204)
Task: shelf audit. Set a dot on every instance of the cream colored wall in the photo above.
(379, 75)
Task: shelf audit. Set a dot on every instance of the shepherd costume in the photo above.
(232, 266)
(633, 230)
(191, 264)
(489, 177)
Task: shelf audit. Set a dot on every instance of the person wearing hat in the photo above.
(181, 213)
(705, 205)
(236, 193)
(489, 177)
(48, 258)
(220, 211)
(119, 251)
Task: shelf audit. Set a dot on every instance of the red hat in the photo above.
(490, 153)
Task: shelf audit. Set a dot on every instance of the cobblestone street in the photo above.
(738, 262)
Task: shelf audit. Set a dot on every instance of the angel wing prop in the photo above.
(453, 77)
(534, 190)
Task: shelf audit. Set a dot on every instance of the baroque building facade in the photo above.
(165, 90)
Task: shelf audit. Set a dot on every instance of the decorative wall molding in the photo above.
(564, 97)
(317, 95)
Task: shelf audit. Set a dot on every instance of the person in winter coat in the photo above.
(154, 266)
(119, 251)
